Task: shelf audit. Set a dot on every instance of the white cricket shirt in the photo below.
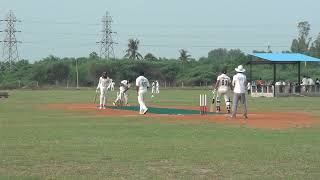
(238, 82)
(104, 82)
(224, 81)
(304, 81)
(124, 84)
(143, 83)
(310, 82)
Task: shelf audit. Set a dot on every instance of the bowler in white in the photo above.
(142, 85)
(103, 85)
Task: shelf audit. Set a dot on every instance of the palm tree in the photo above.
(132, 51)
(184, 57)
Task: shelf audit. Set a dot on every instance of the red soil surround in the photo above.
(265, 120)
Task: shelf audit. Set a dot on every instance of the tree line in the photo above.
(184, 69)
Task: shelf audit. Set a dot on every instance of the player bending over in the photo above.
(222, 87)
(122, 98)
(103, 85)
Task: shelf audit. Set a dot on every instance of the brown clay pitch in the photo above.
(265, 120)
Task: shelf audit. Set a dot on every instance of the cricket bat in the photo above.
(212, 105)
(95, 98)
(212, 101)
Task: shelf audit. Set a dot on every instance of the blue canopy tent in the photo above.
(280, 58)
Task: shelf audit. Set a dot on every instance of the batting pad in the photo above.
(157, 110)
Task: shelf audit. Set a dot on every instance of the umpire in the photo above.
(239, 83)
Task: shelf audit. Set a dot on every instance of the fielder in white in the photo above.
(222, 87)
(153, 89)
(142, 85)
(104, 85)
(157, 87)
(112, 85)
(122, 97)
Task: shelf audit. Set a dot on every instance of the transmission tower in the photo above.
(10, 49)
(269, 49)
(106, 42)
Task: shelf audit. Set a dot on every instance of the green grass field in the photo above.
(41, 143)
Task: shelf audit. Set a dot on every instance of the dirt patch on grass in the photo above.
(265, 120)
(91, 108)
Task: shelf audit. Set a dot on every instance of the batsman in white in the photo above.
(123, 94)
(222, 87)
(157, 87)
(142, 85)
(104, 85)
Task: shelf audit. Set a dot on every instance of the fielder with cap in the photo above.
(239, 83)
(104, 85)
(222, 87)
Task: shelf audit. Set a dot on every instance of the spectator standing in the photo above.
(317, 82)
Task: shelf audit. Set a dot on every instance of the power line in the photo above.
(213, 45)
(207, 46)
(158, 36)
(61, 22)
(219, 26)
(107, 40)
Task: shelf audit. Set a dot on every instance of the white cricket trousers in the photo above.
(141, 95)
(236, 98)
(103, 96)
(223, 92)
(123, 96)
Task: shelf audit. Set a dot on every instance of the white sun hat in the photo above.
(240, 69)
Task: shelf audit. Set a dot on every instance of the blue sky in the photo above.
(70, 28)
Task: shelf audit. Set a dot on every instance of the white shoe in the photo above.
(100, 107)
(114, 103)
(104, 107)
(145, 111)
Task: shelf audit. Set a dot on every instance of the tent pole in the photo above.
(274, 79)
(299, 75)
(250, 77)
